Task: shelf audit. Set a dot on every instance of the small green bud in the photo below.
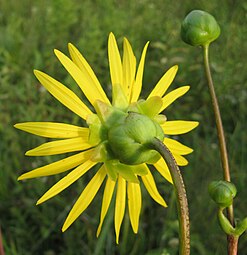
(199, 28)
(222, 192)
(129, 141)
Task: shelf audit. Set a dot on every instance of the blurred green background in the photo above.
(29, 31)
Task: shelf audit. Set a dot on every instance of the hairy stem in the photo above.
(182, 203)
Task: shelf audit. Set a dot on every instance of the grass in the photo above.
(29, 31)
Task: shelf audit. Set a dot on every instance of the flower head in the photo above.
(116, 135)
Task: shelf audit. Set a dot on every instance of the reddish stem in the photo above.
(232, 245)
(1, 244)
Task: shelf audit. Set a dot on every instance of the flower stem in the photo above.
(220, 130)
(182, 203)
(1, 244)
(221, 137)
(232, 244)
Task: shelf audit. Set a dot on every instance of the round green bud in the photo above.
(222, 192)
(199, 28)
(128, 142)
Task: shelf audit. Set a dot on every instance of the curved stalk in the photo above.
(182, 203)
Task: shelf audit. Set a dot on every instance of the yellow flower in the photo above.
(109, 130)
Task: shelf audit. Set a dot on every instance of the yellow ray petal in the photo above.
(108, 192)
(67, 181)
(129, 68)
(163, 169)
(164, 82)
(59, 166)
(177, 147)
(181, 161)
(177, 127)
(115, 63)
(150, 185)
(137, 86)
(91, 90)
(88, 73)
(172, 96)
(53, 130)
(59, 147)
(120, 205)
(63, 94)
(85, 198)
(119, 98)
(134, 204)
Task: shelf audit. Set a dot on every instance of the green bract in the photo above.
(199, 28)
(129, 140)
(222, 192)
(124, 134)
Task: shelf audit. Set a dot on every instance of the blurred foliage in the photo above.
(29, 30)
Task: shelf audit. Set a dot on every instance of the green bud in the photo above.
(128, 142)
(222, 192)
(199, 28)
